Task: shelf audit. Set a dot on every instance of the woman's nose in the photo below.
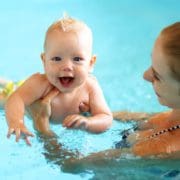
(148, 75)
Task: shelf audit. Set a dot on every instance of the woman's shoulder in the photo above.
(160, 118)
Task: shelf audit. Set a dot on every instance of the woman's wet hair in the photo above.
(170, 37)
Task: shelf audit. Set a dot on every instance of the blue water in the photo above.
(124, 32)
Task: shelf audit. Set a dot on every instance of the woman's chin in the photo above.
(162, 102)
(169, 105)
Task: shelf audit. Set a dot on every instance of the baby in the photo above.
(67, 61)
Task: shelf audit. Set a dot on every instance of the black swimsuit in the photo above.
(123, 143)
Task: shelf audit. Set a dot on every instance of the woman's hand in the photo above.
(40, 111)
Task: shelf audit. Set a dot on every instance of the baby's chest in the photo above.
(62, 106)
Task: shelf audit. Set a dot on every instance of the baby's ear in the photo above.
(92, 62)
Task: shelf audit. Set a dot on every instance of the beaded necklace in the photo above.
(173, 128)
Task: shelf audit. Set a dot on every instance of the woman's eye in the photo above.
(156, 77)
(56, 59)
(77, 59)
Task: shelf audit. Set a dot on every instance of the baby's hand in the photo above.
(75, 121)
(19, 130)
(84, 107)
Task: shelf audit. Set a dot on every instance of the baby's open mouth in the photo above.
(66, 81)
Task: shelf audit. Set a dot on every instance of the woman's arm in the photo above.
(132, 116)
(40, 112)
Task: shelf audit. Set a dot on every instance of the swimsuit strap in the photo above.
(173, 128)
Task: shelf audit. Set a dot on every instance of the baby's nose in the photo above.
(67, 69)
(67, 66)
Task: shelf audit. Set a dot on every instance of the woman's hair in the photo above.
(171, 46)
(67, 24)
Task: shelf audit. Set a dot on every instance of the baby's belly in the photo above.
(59, 114)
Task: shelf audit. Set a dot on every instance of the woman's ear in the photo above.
(92, 62)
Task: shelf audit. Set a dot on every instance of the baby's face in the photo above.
(67, 59)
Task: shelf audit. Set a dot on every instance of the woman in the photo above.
(164, 74)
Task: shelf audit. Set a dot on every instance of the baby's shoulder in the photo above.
(40, 82)
(37, 80)
(38, 77)
(92, 84)
(92, 81)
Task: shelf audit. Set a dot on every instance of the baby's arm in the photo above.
(101, 118)
(31, 90)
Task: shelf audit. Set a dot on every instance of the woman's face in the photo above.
(165, 87)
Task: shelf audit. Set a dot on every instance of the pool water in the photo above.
(124, 32)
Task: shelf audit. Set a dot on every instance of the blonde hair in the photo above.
(171, 46)
(67, 24)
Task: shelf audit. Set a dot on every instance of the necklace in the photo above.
(173, 128)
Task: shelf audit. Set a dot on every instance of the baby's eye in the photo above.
(78, 59)
(56, 58)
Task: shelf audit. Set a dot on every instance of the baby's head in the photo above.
(70, 25)
(67, 56)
